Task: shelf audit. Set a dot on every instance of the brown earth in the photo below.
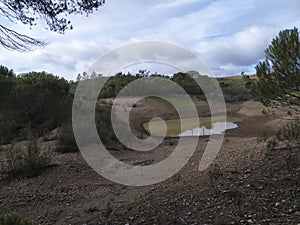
(242, 186)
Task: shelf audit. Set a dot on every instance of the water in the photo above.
(216, 128)
(191, 127)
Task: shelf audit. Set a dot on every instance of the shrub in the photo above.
(27, 162)
(35, 161)
(38, 101)
(13, 219)
(290, 132)
(13, 160)
(108, 210)
(288, 137)
(104, 125)
(215, 173)
(66, 139)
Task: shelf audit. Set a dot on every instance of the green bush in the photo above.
(287, 140)
(103, 123)
(27, 162)
(13, 160)
(13, 219)
(35, 161)
(36, 100)
(234, 89)
(66, 139)
(287, 137)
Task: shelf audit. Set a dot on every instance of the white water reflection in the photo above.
(216, 128)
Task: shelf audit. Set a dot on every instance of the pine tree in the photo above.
(278, 76)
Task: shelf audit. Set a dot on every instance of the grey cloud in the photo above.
(219, 31)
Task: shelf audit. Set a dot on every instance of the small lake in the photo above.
(217, 128)
(191, 127)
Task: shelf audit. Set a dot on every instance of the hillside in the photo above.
(248, 183)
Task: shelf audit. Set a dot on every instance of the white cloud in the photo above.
(176, 3)
(243, 48)
(230, 36)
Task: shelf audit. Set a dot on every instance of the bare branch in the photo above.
(52, 14)
(13, 40)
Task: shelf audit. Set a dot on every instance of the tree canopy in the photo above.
(278, 76)
(52, 14)
(35, 101)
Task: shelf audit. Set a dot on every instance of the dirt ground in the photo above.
(242, 186)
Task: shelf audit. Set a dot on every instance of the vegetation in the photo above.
(215, 173)
(278, 76)
(29, 162)
(115, 84)
(52, 14)
(66, 139)
(108, 210)
(249, 187)
(35, 101)
(234, 90)
(40, 102)
(187, 83)
(277, 79)
(103, 123)
(277, 83)
(13, 219)
(287, 137)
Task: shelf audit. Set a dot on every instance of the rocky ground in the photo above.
(246, 184)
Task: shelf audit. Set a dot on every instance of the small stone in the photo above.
(250, 221)
(277, 204)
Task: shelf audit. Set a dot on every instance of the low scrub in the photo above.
(13, 219)
(287, 139)
(66, 139)
(28, 161)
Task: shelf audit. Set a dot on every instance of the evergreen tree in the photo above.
(278, 76)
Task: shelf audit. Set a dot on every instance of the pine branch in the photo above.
(13, 40)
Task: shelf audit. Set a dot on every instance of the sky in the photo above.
(228, 35)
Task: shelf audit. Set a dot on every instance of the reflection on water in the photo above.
(191, 126)
(216, 128)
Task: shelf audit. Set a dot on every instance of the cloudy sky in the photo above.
(228, 35)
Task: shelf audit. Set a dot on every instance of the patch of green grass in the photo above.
(13, 219)
(108, 210)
